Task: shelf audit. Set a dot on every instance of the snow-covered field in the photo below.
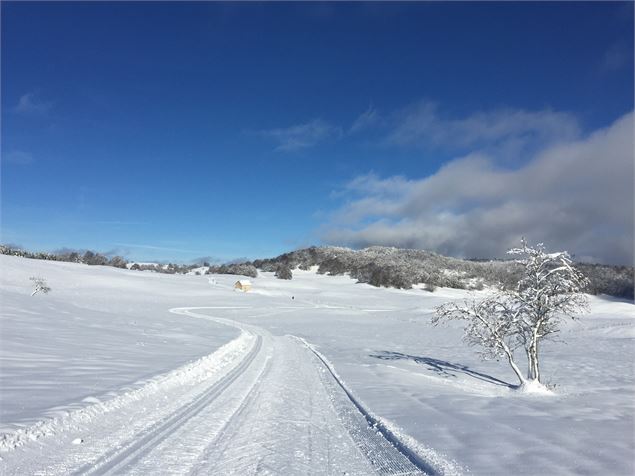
(133, 372)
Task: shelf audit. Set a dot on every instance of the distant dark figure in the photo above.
(292, 297)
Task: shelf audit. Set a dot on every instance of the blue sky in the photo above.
(179, 130)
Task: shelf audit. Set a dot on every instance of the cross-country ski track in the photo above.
(261, 404)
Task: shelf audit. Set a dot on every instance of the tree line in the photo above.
(377, 265)
(403, 268)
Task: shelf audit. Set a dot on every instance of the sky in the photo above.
(175, 131)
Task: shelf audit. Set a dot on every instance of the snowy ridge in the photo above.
(214, 365)
(420, 455)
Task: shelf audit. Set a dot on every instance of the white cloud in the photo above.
(367, 119)
(30, 105)
(156, 248)
(303, 136)
(504, 131)
(616, 58)
(574, 194)
(17, 157)
(120, 222)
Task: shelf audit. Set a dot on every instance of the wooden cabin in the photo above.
(243, 285)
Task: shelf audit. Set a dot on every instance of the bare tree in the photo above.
(490, 324)
(549, 290)
(39, 285)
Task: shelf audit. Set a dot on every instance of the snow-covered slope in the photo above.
(99, 330)
(102, 330)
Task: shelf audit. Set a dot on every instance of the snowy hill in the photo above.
(403, 268)
(122, 372)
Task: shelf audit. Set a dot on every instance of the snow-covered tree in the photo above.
(491, 325)
(284, 272)
(549, 290)
(94, 259)
(118, 262)
(39, 285)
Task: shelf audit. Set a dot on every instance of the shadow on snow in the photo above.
(441, 367)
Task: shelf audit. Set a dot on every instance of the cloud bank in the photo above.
(506, 132)
(574, 193)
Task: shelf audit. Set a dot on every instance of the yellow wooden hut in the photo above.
(243, 285)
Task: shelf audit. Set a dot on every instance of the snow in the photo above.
(534, 387)
(198, 271)
(99, 331)
(102, 333)
(190, 374)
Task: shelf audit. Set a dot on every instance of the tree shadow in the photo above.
(441, 367)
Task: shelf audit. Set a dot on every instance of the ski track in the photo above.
(276, 407)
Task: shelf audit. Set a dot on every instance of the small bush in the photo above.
(39, 285)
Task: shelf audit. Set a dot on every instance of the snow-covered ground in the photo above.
(99, 330)
(102, 362)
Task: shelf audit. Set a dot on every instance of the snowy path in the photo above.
(268, 406)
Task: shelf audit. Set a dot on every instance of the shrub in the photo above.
(284, 272)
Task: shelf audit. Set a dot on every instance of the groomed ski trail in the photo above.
(276, 408)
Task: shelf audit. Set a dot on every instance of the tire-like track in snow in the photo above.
(122, 460)
(278, 409)
(297, 420)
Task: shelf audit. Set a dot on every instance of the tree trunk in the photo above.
(532, 362)
(512, 364)
(536, 361)
(516, 370)
(532, 357)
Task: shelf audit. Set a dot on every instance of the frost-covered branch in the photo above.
(549, 290)
(39, 285)
(491, 325)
